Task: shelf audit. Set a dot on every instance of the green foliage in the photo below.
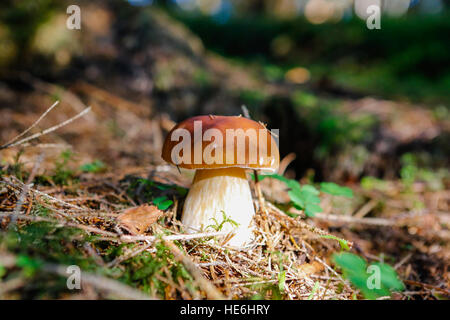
(265, 291)
(345, 54)
(273, 72)
(163, 203)
(29, 265)
(336, 190)
(370, 183)
(302, 197)
(374, 281)
(2, 271)
(306, 197)
(93, 167)
(413, 170)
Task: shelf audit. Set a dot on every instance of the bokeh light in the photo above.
(209, 6)
(396, 8)
(298, 75)
(319, 11)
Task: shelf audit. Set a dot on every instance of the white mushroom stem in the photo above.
(218, 191)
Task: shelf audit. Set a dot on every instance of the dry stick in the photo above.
(179, 237)
(10, 142)
(211, 291)
(353, 219)
(46, 131)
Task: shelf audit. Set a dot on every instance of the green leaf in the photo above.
(297, 199)
(364, 277)
(336, 190)
(350, 263)
(389, 277)
(162, 203)
(309, 189)
(303, 197)
(311, 209)
(273, 176)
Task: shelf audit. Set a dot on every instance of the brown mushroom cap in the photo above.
(266, 158)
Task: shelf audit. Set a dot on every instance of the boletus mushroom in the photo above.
(220, 149)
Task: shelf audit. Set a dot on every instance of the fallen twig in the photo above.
(47, 131)
(10, 142)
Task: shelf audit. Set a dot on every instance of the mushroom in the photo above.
(220, 149)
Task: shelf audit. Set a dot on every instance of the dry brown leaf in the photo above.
(310, 268)
(138, 219)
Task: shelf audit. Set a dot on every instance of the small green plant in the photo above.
(314, 290)
(342, 242)
(375, 280)
(306, 197)
(411, 171)
(16, 168)
(219, 226)
(372, 183)
(29, 265)
(93, 167)
(63, 175)
(265, 291)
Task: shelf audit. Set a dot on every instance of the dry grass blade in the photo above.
(47, 131)
(9, 143)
